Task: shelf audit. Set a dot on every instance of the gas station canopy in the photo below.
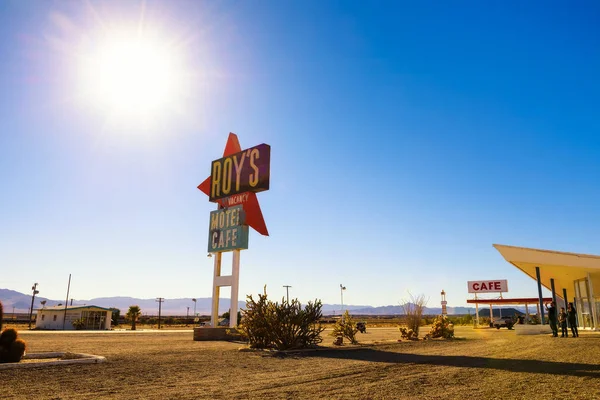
(519, 301)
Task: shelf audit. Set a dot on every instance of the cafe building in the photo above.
(62, 318)
(571, 277)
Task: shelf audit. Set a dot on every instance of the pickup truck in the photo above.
(503, 322)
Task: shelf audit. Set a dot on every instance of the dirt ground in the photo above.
(482, 364)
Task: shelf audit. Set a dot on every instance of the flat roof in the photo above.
(62, 308)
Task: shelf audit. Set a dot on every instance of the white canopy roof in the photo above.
(564, 267)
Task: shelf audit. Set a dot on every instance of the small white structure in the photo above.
(93, 317)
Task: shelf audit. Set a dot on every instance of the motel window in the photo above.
(43, 316)
(54, 317)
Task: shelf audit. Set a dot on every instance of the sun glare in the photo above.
(132, 75)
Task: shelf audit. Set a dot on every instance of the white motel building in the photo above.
(571, 277)
(59, 318)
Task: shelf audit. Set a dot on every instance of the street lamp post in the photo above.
(194, 300)
(342, 288)
(35, 291)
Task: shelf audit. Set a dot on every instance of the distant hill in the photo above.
(509, 311)
(21, 302)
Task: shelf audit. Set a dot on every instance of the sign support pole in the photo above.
(235, 282)
(476, 311)
(214, 319)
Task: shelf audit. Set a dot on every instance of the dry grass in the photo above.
(170, 365)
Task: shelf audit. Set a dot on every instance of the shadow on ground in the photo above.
(507, 364)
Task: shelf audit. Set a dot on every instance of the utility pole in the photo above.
(160, 301)
(67, 302)
(35, 291)
(187, 316)
(287, 290)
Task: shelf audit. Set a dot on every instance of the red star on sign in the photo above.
(249, 201)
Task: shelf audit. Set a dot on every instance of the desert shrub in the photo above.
(442, 328)
(408, 334)
(8, 336)
(459, 319)
(413, 309)
(258, 321)
(78, 324)
(11, 347)
(466, 320)
(345, 328)
(284, 325)
(15, 352)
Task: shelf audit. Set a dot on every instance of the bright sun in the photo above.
(132, 75)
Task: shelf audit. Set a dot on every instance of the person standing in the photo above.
(562, 321)
(552, 318)
(572, 319)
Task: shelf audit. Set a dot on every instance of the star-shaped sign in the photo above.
(249, 201)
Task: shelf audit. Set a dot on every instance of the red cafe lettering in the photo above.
(500, 285)
(488, 286)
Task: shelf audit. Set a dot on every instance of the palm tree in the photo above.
(133, 314)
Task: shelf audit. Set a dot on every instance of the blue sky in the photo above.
(407, 137)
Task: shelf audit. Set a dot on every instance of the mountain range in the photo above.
(20, 303)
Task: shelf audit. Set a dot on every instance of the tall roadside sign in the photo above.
(233, 183)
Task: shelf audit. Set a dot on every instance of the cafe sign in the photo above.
(489, 286)
(227, 231)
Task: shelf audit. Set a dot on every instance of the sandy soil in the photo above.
(483, 364)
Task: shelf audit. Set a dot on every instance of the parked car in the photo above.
(503, 322)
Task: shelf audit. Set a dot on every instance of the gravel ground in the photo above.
(485, 364)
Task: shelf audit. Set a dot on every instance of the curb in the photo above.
(77, 358)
